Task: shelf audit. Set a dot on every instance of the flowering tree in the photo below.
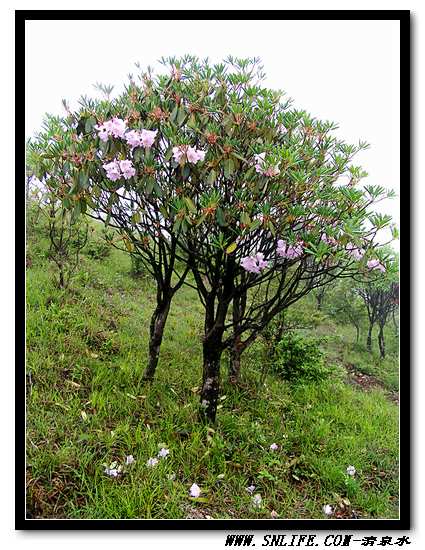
(207, 167)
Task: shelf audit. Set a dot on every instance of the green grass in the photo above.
(86, 407)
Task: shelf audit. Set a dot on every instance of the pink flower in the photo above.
(118, 127)
(178, 152)
(288, 251)
(259, 166)
(272, 171)
(152, 462)
(354, 251)
(254, 264)
(163, 453)
(115, 127)
(102, 132)
(376, 264)
(148, 137)
(195, 491)
(274, 447)
(127, 169)
(259, 161)
(192, 154)
(133, 138)
(113, 171)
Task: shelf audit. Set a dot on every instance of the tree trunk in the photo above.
(369, 338)
(157, 326)
(357, 334)
(61, 278)
(239, 305)
(381, 341)
(211, 377)
(235, 360)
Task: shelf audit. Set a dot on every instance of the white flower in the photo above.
(112, 472)
(251, 489)
(171, 477)
(274, 447)
(152, 462)
(274, 514)
(257, 500)
(163, 453)
(351, 470)
(129, 459)
(327, 510)
(195, 491)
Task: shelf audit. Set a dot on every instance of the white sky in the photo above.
(345, 71)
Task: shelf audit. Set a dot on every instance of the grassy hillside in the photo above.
(87, 408)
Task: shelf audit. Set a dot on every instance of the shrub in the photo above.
(300, 359)
(97, 249)
(137, 267)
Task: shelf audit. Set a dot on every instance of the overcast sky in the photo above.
(344, 71)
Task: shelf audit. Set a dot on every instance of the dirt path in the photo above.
(367, 382)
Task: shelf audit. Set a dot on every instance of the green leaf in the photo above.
(83, 179)
(212, 176)
(229, 167)
(138, 154)
(220, 217)
(90, 124)
(231, 248)
(190, 204)
(174, 114)
(135, 218)
(181, 116)
(245, 219)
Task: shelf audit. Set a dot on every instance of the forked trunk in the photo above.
(158, 320)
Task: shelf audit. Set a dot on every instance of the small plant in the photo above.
(300, 359)
(99, 248)
(137, 267)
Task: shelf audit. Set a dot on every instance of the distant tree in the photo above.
(319, 294)
(347, 307)
(380, 296)
(67, 233)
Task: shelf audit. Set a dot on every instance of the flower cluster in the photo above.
(163, 453)
(288, 251)
(254, 264)
(115, 470)
(259, 167)
(115, 127)
(144, 138)
(376, 264)
(119, 169)
(192, 154)
(354, 251)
